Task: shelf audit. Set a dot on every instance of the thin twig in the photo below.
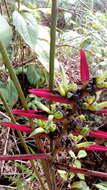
(5, 150)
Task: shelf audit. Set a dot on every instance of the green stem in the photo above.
(13, 76)
(18, 1)
(8, 110)
(52, 44)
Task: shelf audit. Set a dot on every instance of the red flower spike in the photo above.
(24, 157)
(50, 96)
(24, 128)
(84, 71)
(80, 170)
(33, 114)
(95, 147)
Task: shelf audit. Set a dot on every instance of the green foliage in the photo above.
(5, 31)
(101, 186)
(80, 185)
(20, 183)
(9, 91)
(27, 27)
(34, 74)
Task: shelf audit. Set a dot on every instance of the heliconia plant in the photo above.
(62, 122)
(56, 121)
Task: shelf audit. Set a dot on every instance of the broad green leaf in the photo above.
(42, 49)
(9, 91)
(33, 74)
(12, 95)
(82, 154)
(5, 31)
(44, 33)
(27, 27)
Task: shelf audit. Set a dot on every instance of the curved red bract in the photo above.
(84, 70)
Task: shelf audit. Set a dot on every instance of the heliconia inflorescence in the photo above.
(44, 115)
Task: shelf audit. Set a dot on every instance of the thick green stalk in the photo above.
(8, 110)
(52, 44)
(51, 66)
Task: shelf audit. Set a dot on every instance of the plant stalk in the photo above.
(52, 43)
(46, 170)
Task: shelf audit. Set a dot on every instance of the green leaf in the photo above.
(42, 49)
(72, 154)
(80, 185)
(101, 186)
(27, 27)
(33, 74)
(63, 174)
(82, 154)
(42, 106)
(77, 164)
(37, 131)
(85, 144)
(81, 176)
(5, 31)
(10, 93)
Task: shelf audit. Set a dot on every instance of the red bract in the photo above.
(33, 114)
(94, 133)
(24, 157)
(24, 128)
(102, 111)
(99, 134)
(50, 96)
(80, 170)
(95, 147)
(84, 71)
